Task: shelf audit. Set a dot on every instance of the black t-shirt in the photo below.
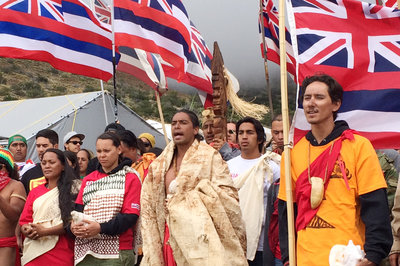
(33, 178)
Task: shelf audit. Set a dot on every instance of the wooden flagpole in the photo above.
(285, 120)
(264, 50)
(161, 117)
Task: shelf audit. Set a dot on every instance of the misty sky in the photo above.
(234, 25)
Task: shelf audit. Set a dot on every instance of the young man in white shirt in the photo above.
(251, 137)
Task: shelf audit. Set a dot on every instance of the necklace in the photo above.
(317, 183)
(175, 164)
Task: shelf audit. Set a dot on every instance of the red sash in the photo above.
(167, 250)
(326, 159)
(11, 242)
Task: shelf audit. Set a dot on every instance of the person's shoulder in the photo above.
(33, 172)
(235, 161)
(15, 184)
(38, 190)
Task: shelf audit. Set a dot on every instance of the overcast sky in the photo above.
(234, 25)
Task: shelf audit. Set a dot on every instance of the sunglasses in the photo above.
(231, 131)
(75, 142)
(146, 144)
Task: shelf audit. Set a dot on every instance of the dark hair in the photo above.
(128, 138)
(88, 152)
(157, 151)
(195, 121)
(335, 90)
(258, 127)
(71, 156)
(49, 134)
(115, 140)
(64, 184)
(277, 117)
(111, 136)
(14, 173)
(113, 127)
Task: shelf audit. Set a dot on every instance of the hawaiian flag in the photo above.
(198, 73)
(102, 11)
(270, 22)
(136, 62)
(359, 45)
(64, 33)
(143, 65)
(157, 26)
(390, 3)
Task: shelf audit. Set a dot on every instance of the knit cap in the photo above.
(149, 137)
(7, 158)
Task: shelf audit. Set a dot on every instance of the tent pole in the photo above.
(285, 120)
(161, 116)
(104, 102)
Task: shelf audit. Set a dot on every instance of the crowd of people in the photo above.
(202, 200)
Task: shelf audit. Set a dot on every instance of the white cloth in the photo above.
(46, 212)
(252, 177)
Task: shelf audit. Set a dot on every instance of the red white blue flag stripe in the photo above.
(270, 22)
(359, 45)
(157, 26)
(64, 33)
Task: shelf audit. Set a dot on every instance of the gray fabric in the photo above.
(27, 117)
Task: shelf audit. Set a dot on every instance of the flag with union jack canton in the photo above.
(157, 26)
(198, 72)
(270, 22)
(102, 11)
(390, 3)
(64, 33)
(359, 45)
(136, 62)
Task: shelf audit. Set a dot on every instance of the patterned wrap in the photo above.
(103, 200)
(203, 216)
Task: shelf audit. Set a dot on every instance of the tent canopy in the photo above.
(83, 113)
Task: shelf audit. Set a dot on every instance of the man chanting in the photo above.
(338, 185)
(190, 210)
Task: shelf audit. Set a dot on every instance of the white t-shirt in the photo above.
(238, 165)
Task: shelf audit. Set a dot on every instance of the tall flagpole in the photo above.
(91, 3)
(114, 63)
(264, 50)
(161, 116)
(285, 120)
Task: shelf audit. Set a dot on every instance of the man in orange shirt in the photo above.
(338, 186)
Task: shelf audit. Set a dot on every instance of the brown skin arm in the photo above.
(394, 259)
(12, 209)
(35, 231)
(365, 262)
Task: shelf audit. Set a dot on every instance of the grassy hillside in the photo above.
(22, 79)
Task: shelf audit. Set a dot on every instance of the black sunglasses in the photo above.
(146, 144)
(75, 142)
(231, 131)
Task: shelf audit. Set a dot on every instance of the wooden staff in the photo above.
(219, 94)
(161, 117)
(271, 107)
(285, 121)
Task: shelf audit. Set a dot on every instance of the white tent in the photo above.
(83, 113)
